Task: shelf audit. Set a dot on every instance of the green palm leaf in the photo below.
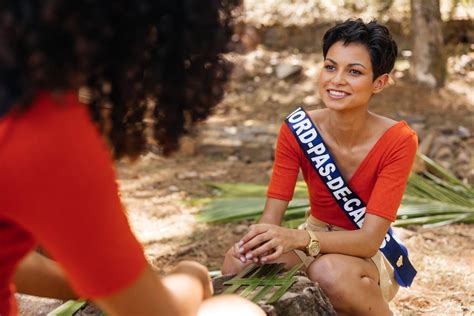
(434, 197)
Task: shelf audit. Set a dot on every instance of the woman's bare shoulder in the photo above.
(382, 122)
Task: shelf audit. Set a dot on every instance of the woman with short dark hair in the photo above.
(355, 177)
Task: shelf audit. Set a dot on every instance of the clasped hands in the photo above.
(264, 243)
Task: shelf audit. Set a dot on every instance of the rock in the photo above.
(426, 142)
(445, 153)
(219, 146)
(463, 132)
(233, 158)
(284, 71)
(438, 143)
(249, 39)
(253, 152)
(187, 175)
(445, 164)
(463, 157)
(447, 129)
(173, 189)
(304, 298)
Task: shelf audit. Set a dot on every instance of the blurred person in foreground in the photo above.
(355, 196)
(131, 59)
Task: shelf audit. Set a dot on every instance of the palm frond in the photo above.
(434, 197)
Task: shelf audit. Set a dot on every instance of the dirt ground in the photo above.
(164, 222)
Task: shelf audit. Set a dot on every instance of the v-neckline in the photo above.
(363, 162)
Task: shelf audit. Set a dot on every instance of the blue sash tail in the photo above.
(350, 203)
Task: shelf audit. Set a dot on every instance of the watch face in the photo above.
(314, 249)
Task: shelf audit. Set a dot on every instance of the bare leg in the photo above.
(351, 283)
(41, 276)
(229, 305)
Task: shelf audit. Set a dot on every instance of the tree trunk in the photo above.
(428, 60)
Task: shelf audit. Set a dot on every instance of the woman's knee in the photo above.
(327, 273)
(229, 305)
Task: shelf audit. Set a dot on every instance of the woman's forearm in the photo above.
(363, 242)
(273, 211)
(353, 243)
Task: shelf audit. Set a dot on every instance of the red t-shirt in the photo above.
(379, 181)
(58, 189)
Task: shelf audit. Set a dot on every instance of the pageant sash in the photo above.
(350, 203)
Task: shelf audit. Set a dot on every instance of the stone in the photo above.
(463, 157)
(219, 147)
(254, 152)
(187, 175)
(425, 144)
(303, 298)
(463, 132)
(445, 153)
(284, 71)
(173, 189)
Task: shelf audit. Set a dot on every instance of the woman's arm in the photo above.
(363, 242)
(274, 240)
(273, 211)
(180, 293)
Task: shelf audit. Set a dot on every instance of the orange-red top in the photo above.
(58, 189)
(379, 180)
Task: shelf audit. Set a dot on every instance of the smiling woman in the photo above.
(373, 154)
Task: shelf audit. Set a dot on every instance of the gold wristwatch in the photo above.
(312, 248)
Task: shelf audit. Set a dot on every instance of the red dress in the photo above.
(58, 189)
(380, 179)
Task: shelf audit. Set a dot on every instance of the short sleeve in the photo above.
(391, 182)
(62, 190)
(285, 167)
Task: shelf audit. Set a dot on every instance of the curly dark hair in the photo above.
(376, 37)
(155, 60)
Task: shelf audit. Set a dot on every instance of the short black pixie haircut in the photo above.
(143, 62)
(382, 48)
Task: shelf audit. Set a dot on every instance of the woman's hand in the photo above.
(267, 242)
